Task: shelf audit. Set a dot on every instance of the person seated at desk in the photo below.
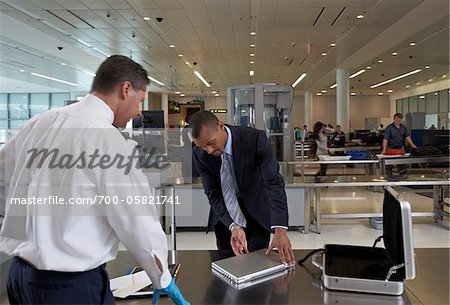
(338, 137)
(319, 146)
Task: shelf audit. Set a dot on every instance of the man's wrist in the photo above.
(234, 226)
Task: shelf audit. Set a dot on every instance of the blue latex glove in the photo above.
(173, 292)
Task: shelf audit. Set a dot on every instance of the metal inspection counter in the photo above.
(302, 286)
(313, 186)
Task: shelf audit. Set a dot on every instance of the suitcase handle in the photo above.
(315, 260)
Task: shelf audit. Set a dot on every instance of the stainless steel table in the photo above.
(371, 164)
(303, 286)
(412, 160)
(313, 186)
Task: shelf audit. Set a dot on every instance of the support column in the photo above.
(309, 110)
(342, 99)
(165, 108)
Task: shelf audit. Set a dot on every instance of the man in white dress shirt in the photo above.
(60, 159)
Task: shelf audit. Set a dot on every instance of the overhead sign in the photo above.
(218, 110)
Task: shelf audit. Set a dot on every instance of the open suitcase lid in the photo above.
(397, 232)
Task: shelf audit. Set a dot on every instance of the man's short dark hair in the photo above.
(398, 115)
(116, 70)
(200, 119)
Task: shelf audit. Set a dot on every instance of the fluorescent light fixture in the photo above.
(318, 93)
(252, 45)
(252, 62)
(252, 54)
(333, 86)
(380, 93)
(171, 46)
(146, 18)
(180, 55)
(435, 93)
(332, 45)
(422, 96)
(177, 92)
(380, 61)
(430, 80)
(427, 67)
(324, 53)
(412, 43)
(360, 16)
(252, 33)
(395, 78)
(214, 92)
(357, 73)
(55, 79)
(217, 94)
(301, 77)
(444, 76)
(353, 93)
(407, 86)
(394, 53)
(156, 81)
(187, 63)
(368, 67)
(324, 91)
(22, 70)
(390, 91)
(418, 83)
(252, 72)
(63, 64)
(182, 95)
(89, 73)
(202, 78)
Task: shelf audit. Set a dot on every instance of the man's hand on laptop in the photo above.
(238, 240)
(281, 241)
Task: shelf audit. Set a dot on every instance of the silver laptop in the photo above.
(252, 282)
(249, 267)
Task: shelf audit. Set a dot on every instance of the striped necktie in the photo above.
(229, 191)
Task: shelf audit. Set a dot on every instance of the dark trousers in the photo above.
(323, 169)
(27, 285)
(257, 237)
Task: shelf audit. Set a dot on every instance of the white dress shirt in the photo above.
(77, 238)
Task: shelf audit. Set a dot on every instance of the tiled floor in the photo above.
(427, 234)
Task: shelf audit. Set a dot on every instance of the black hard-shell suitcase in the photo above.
(374, 269)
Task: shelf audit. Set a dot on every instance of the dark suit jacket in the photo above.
(260, 184)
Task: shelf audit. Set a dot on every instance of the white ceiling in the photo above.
(290, 38)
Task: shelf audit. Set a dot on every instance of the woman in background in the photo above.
(320, 144)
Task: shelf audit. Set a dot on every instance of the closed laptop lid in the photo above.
(248, 267)
(397, 232)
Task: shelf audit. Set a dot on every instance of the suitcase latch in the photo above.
(393, 270)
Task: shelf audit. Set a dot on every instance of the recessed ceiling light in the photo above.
(380, 93)
(182, 95)
(171, 46)
(427, 67)
(418, 83)
(390, 91)
(177, 92)
(252, 45)
(407, 86)
(324, 91)
(318, 93)
(430, 80)
(63, 64)
(146, 18)
(422, 96)
(253, 33)
(332, 45)
(187, 63)
(394, 53)
(360, 16)
(22, 70)
(180, 55)
(252, 54)
(353, 93)
(443, 76)
(217, 94)
(324, 53)
(368, 67)
(252, 62)
(214, 92)
(435, 93)
(252, 72)
(412, 43)
(380, 61)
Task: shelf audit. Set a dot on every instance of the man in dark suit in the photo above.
(241, 178)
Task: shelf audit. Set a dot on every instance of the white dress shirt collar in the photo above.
(99, 107)
(228, 148)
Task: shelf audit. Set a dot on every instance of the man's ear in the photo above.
(125, 89)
